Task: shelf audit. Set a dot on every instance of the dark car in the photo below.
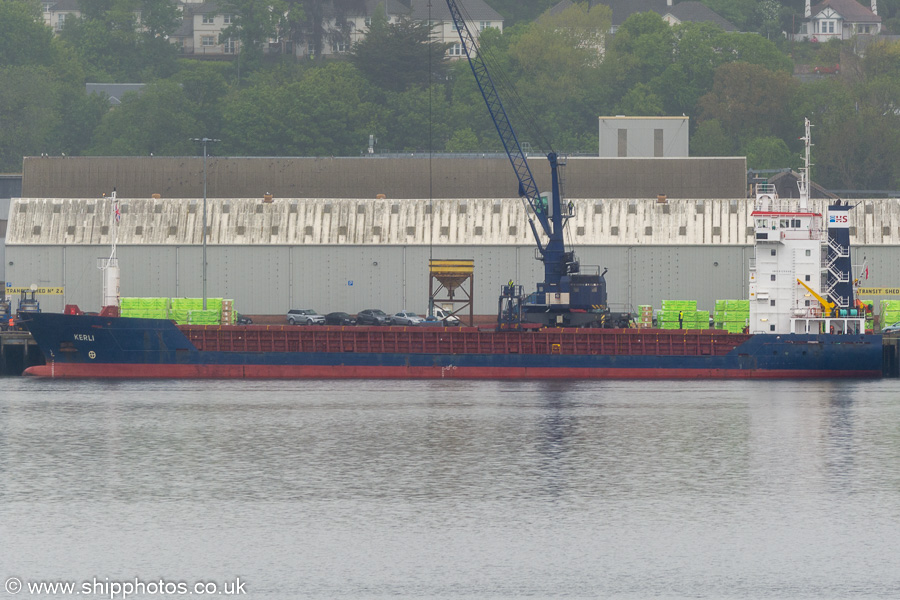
(243, 320)
(339, 318)
(373, 316)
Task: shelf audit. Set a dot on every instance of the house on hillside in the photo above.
(56, 12)
(200, 32)
(114, 92)
(671, 11)
(203, 23)
(479, 16)
(838, 19)
(696, 12)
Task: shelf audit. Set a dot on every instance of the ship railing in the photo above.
(809, 312)
(778, 205)
(839, 250)
(798, 234)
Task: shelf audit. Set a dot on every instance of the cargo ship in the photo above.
(563, 330)
(84, 346)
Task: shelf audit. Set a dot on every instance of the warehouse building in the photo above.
(275, 241)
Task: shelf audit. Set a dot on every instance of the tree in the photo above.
(749, 100)
(24, 39)
(768, 152)
(463, 140)
(316, 22)
(159, 120)
(116, 47)
(270, 118)
(29, 113)
(710, 139)
(395, 56)
(554, 65)
(253, 23)
(517, 11)
(416, 121)
(641, 101)
(204, 87)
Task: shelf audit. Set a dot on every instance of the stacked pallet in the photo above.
(732, 315)
(645, 316)
(889, 311)
(228, 315)
(144, 308)
(682, 314)
(190, 311)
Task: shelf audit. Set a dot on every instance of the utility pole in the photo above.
(205, 141)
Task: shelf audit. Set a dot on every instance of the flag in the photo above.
(118, 215)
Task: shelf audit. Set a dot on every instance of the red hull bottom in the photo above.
(145, 371)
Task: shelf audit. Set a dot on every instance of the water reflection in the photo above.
(448, 489)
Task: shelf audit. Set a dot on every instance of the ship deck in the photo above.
(463, 340)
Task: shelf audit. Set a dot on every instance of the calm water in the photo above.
(451, 489)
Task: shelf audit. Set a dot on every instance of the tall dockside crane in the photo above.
(567, 296)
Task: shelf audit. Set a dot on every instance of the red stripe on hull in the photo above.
(145, 371)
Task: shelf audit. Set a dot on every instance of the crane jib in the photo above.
(566, 297)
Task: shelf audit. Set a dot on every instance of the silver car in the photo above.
(406, 317)
(305, 316)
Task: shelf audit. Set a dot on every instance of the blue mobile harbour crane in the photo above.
(567, 297)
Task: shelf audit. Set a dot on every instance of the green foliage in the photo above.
(253, 23)
(554, 64)
(415, 121)
(114, 47)
(24, 39)
(159, 121)
(29, 114)
(641, 101)
(463, 140)
(267, 119)
(204, 85)
(749, 100)
(520, 11)
(767, 152)
(710, 139)
(395, 56)
(737, 88)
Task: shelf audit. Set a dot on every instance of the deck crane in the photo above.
(567, 296)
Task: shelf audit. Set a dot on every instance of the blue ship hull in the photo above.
(82, 346)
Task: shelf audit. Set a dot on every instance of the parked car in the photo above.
(441, 315)
(406, 317)
(339, 318)
(304, 316)
(373, 316)
(895, 328)
(830, 70)
(243, 320)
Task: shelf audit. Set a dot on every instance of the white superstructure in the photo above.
(790, 261)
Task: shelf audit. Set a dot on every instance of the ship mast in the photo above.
(803, 184)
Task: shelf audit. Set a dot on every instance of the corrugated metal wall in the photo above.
(270, 280)
(294, 252)
(404, 178)
(243, 221)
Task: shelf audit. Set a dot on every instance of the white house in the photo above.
(838, 19)
(200, 31)
(56, 12)
(481, 17)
